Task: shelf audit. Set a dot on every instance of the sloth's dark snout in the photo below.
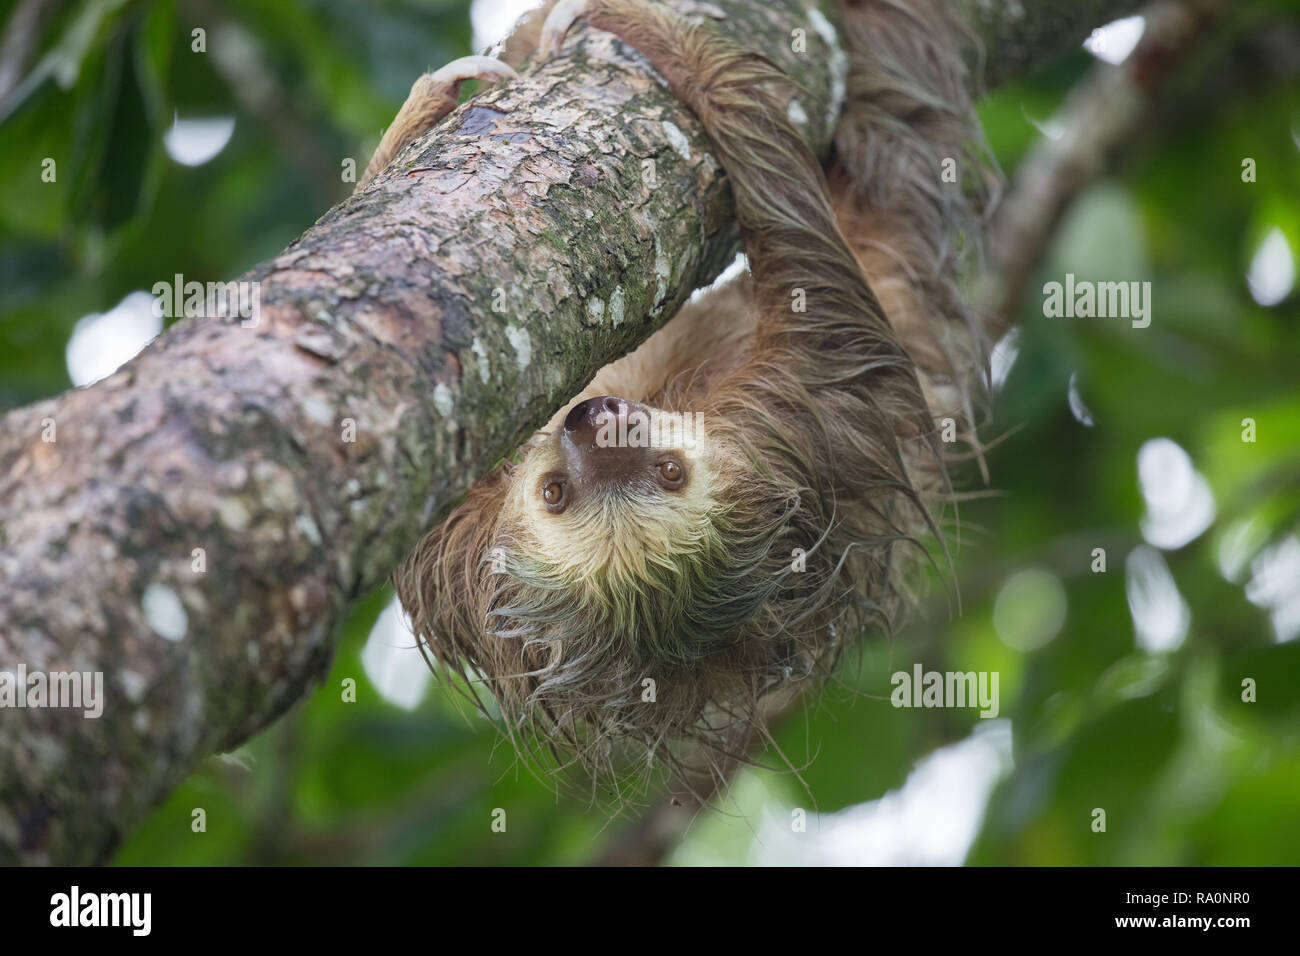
(596, 441)
(585, 419)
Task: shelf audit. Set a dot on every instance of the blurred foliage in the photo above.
(1186, 771)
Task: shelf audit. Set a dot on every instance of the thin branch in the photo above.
(1101, 116)
(21, 36)
(1017, 36)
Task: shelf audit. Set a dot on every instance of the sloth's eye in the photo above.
(554, 496)
(671, 473)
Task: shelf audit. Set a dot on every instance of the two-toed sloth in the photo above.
(721, 511)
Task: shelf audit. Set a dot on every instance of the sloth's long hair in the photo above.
(825, 465)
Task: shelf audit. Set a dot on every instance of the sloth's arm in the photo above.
(841, 339)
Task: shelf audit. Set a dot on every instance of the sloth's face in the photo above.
(615, 491)
(635, 543)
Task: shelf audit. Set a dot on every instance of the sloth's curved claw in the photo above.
(556, 27)
(486, 68)
(432, 97)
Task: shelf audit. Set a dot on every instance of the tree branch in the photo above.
(1101, 115)
(194, 527)
(1018, 36)
(201, 519)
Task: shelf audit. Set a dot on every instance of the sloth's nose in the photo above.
(584, 421)
(599, 446)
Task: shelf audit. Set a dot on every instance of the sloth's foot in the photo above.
(657, 32)
(432, 97)
(486, 68)
(557, 24)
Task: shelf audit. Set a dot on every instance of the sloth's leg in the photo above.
(432, 97)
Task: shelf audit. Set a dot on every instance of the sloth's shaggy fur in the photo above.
(818, 463)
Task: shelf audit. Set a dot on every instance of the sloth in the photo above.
(696, 539)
